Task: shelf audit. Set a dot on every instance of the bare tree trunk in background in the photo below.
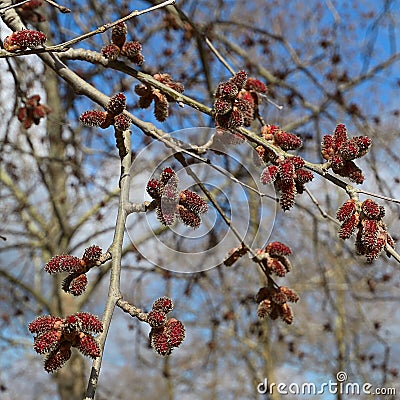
(267, 352)
(340, 321)
(71, 381)
(269, 359)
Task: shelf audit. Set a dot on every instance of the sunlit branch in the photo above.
(115, 250)
(4, 9)
(58, 6)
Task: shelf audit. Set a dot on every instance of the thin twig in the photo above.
(321, 210)
(107, 256)
(336, 15)
(379, 196)
(3, 10)
(139, 207)
(132, 310)
(219, 55)
(210, 197)
(60, 8)
(108, 26)
(234, 179)
(270, 101)
(202, 36)
(392, 252)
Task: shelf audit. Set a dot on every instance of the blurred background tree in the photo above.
(325, 62)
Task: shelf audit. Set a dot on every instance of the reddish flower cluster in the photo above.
(171, 203)
(165, 333)
(28, 11)
(366, 217)
(76, 282)
(21, 40)
(286, 173)
(278, 137)
(274, 258)
(253, 89)
(237, 100)
(119, 46)
(56, 336)
(273, 302)
(113, 116)
(32, 112)
(288, 177)
(148, 94)
(340, 151)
